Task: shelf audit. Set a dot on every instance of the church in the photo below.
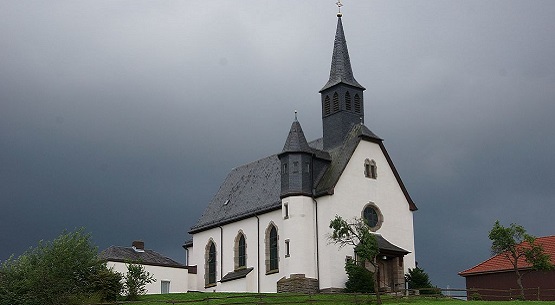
(267, 227)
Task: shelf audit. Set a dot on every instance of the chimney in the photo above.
(139, 245)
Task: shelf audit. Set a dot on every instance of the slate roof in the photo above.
(387, 247)
(254, 188)
(296, 141)
(233, 275)
(129, 254)
(499, 263)
(341, 71)
(248, 190)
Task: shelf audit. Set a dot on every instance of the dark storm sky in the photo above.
(125, 116)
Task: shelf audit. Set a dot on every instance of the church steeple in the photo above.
(342, 98)
(341, 71)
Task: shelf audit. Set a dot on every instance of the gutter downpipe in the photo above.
(316, 220)
(258, 253)
(221, 252)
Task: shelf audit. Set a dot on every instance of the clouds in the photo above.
(125, 116)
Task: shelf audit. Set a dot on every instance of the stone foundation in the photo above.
(297, 283)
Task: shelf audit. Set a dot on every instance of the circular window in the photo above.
(373, 217)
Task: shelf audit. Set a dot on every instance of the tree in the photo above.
(135, 281)
(516, 246)
(64, 271)
(417, 278)
(359, 236)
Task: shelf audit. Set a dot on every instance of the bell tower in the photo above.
(342, 96)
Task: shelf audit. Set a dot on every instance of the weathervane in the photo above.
(295, 115)
(339, 5)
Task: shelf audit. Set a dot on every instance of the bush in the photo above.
(359, 279)
(64, 271)
(418, 279)
(135, 281)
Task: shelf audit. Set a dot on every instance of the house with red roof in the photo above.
(495, 279)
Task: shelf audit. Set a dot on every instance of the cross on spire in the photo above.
(339, 5)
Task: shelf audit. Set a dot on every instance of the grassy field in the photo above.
(340, 299)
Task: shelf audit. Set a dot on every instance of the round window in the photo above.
(373, 216)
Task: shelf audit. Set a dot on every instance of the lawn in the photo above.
(194, 298)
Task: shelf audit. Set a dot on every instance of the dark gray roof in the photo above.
(388, 248)
(233, 275)
(341, 71)
(254, 188)
(129, 254)
(296, 141)
(248, 190)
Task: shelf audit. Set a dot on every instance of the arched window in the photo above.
(373, 217)
(210, 264)
(240, 251)
(272, 257)
(358, 105)
(327, 108)
(370, 169)
(335, 102)
(348, 104)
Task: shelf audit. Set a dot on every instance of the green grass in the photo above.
(196, 298)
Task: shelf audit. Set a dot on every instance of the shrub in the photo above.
(135, 281)
(63, 271)
(359, 279)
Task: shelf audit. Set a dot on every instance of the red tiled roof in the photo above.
(500, 263)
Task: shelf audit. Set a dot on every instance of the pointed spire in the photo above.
(296, 141)
(341, 71)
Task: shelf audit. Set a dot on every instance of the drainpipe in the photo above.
(221, 252)
(258, 253)
(317, 246)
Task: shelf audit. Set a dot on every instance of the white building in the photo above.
(269, 221)
(170, 276)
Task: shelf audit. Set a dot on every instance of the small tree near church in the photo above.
(358, 235)
(516, 245)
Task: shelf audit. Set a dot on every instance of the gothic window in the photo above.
(373, 217)
(358, 105)
(240, 251)
(327, 108)
(335, 102)
(272, 258)
(370, 169)
(348, 104)
(210, 264)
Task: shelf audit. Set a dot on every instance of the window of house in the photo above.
(335, 102)
(285, 210)
(373, 217)
(287, 254)
(307, 167)
(165, 287)
(370, 169)
(210, 265)
(327, 108)
(284, 168)
(272, 258)
(348, 104)
(240, 251)
(295, 166)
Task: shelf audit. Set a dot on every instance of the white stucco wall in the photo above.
(351, 195)
(254, 231)
(178, 277)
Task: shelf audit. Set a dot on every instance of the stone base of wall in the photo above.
(332, 290)
(297, 283)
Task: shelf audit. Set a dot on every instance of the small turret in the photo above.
(296, 163)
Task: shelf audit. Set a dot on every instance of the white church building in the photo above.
(267, 227)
